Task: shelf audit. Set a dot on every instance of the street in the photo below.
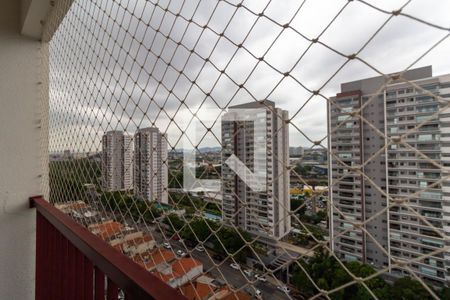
(236, 278)
(224, 272)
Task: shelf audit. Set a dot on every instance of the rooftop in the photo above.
(197, 290)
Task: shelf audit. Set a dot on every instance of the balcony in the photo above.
(73, 263)
(117, 218)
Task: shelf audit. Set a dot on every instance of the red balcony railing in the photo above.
(73, 263)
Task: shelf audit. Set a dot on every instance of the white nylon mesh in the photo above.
(129, 65)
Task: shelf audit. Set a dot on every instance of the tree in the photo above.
(377, 285)
(302, 171)
(321, 215)
(199, 232)
(67, 179)
(408, 289)
(176, 178)
(328, 274)
(444, 294)
(152, 213)
(233, 241)
(298, 206)
(174, 222)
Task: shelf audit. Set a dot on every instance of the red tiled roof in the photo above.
(140, 240)
(184, 265)
(178, 269)
(77, 205)
(197, 290)
(154, 258)
(107, 229)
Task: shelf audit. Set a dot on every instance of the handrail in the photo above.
(135, 281)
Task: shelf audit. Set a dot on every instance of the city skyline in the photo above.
(144, 96)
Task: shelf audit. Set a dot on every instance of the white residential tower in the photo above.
(117, 158)
(151, 165)
(264, 213)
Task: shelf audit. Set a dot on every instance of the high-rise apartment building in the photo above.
(117, 159)
(150, 165)
(262, 212)
(398, 136)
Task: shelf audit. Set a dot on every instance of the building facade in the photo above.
(389, 144)
(263, 213)
(296, 151)
(117, 159)
(150, 165)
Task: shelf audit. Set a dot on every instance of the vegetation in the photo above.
(307, 238)
(206, 172)
(199, 230)
(174, 222)
(328, 274)
(302, 170)
(298, 206)
(314, 218)
(127, 204)
(193, 204)
(175, 179)
(182, 200)
(232, 242)
(225, 240)
(67, 178)
(213, 208)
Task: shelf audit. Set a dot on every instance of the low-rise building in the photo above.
(151, 260)
(180, 272)
(198, 290)
(106, 230)
(67, 207)
(133, 243)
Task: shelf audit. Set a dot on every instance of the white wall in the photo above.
(21, 168)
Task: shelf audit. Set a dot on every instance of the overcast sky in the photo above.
(111, 69)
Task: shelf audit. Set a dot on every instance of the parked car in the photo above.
(181, 253)
(235, 266)
(167, 246)
(284, 289)
(258, 294)
(260, 278)
(200, 248)
(248, 272)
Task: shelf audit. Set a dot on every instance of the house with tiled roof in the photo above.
(133, 243)
(106, 229)
(67, 207)
(139, 245)
(180, 271)
(197, 290)
(151, 260)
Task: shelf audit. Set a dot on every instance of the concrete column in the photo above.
(23, 137)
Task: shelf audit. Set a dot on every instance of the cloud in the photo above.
(116, 67)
